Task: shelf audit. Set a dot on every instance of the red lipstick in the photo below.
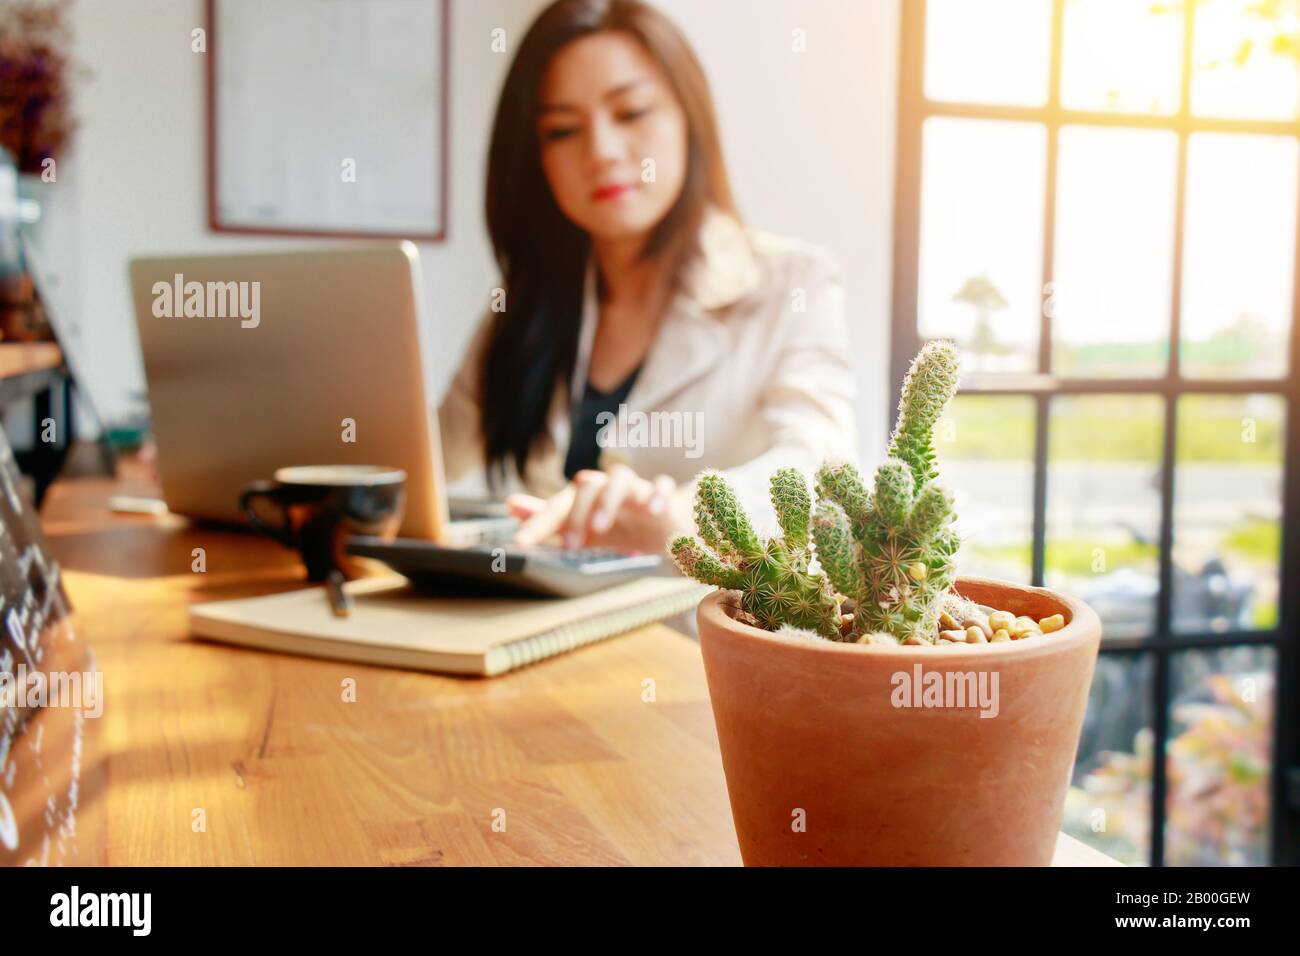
(605, 193)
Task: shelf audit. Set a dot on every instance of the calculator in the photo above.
(488, 567)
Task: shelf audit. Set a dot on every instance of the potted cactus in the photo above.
(872, 707)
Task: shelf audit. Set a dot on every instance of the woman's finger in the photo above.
(641, 493)
(547, 521)
(622, 483)
(664, 489)
(587, 487)
(524, 507)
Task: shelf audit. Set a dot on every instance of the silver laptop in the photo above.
(258, 361)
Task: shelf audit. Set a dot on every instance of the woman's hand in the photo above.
(616, 509)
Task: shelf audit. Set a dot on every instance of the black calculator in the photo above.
(488, 567)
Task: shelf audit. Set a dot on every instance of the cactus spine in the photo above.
(772, 576)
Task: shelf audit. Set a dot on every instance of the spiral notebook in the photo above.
(394, 625)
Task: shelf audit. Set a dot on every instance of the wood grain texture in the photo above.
(581, 769)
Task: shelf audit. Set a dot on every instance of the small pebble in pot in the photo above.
(877, 637)
(1052, 623)
(947, 622)
(1002, 621)
(1025, 627)
(953, 635)
(980, 622)
(975, 635)
(999, 637)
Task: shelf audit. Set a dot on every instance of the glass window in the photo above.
(1112, 280)
(986, 451)
(1122, 56)
(1246, 59)
(1239, 255)
(982, 240)
(1219, 757)
(988, 51)
(1109, 801)
(1103, 506)
(1227, 512)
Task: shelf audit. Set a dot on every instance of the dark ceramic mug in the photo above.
(322, 505)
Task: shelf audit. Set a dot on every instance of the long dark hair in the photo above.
(533, 343)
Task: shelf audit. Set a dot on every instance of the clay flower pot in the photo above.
(854, 755)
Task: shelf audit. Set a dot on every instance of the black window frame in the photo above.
(1162, 643)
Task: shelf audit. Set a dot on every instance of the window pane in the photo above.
(1109, 802)
(981, 240)
(1103, 506)
(1239, 255)
(986, 455)
(1219, 757)
(988, 51)
(1227, 512)
(1122, 55)
(1246, 59)
(1110, 295)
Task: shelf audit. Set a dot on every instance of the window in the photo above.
(1097, 200)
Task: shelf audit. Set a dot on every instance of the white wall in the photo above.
(809, 138)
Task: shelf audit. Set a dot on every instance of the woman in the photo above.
(641, 334)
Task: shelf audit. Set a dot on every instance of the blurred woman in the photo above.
(641, 333)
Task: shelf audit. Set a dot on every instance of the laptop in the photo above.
(257, 361)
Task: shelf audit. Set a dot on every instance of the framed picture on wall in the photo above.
(328, 117)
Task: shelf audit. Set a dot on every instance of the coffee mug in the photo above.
(322, 505)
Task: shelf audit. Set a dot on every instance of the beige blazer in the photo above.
(750, 371)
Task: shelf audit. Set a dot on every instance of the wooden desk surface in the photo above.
(566, 754)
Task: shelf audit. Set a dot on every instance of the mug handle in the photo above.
(265, 489)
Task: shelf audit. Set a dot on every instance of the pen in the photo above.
(340, 600)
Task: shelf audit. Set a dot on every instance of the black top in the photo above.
(584, 449)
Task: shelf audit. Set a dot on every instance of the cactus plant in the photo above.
(891, 550)
(773, 577)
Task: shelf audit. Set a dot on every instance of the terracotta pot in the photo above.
(833, 757)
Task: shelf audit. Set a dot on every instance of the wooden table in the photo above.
(560, 763)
